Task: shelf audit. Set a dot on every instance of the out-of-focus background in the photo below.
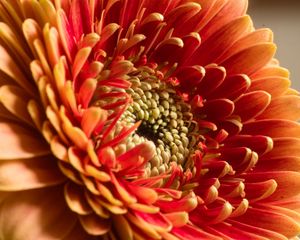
(283, 17)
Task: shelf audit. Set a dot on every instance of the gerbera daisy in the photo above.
(144, 119)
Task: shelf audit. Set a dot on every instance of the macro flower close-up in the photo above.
(144, 119)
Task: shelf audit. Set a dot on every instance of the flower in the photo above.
(144, 119)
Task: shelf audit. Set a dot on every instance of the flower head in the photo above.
(144, 119)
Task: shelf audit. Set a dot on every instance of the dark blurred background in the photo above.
(283, 17)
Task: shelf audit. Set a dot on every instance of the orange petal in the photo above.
(284, 107)
(31, 173)
(271, 71)
(288, 183)
(270, 220)
(45, 209)
(52, 43)
(229, 11)
(246, 61)
(15, 100)
(91, 118)
(17, 142)
(218, 43)
(31, 31)
(95, 225)
(80, 59)
(273, 128)
(285, 146)
(259, 36)
(9, 67)
(122, 228)
(77, 233)
(76, 200)
(284, 163)
(236, 230)
(178, 219)
(275, 86)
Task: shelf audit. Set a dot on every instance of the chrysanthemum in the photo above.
(144, 119)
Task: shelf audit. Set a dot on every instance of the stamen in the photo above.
(166, 121)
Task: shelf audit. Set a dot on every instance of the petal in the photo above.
(80, 18)
(9, 67)
(78, 233)
(206, 215)
(231, 10)
(270, 220)
(283, 163)
(235, 230)
(225, 108)
(286, 146)
(189, 232)
(172, 45)
(76, 200)
(214, 76)
(275, 86)
(36, 214)
(271, 71)
(94, 225)
(250, 105)
(273, 128)
(18, 142)
(122, 228)
(15, 100)
(232, 87)
(260, 144)
(31, 173)
(190, 76)
(251, 39)
(284, 107)
(217, 43)
(66, 34)
(246, 61)
(288, 183)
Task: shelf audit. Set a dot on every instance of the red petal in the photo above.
(190, 77)
(189, 232)
(232, 87)
(250, 105)
(214, 76)
(225, 108)
(66, 34)
(260, 144)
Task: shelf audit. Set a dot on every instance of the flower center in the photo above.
(166, 120)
